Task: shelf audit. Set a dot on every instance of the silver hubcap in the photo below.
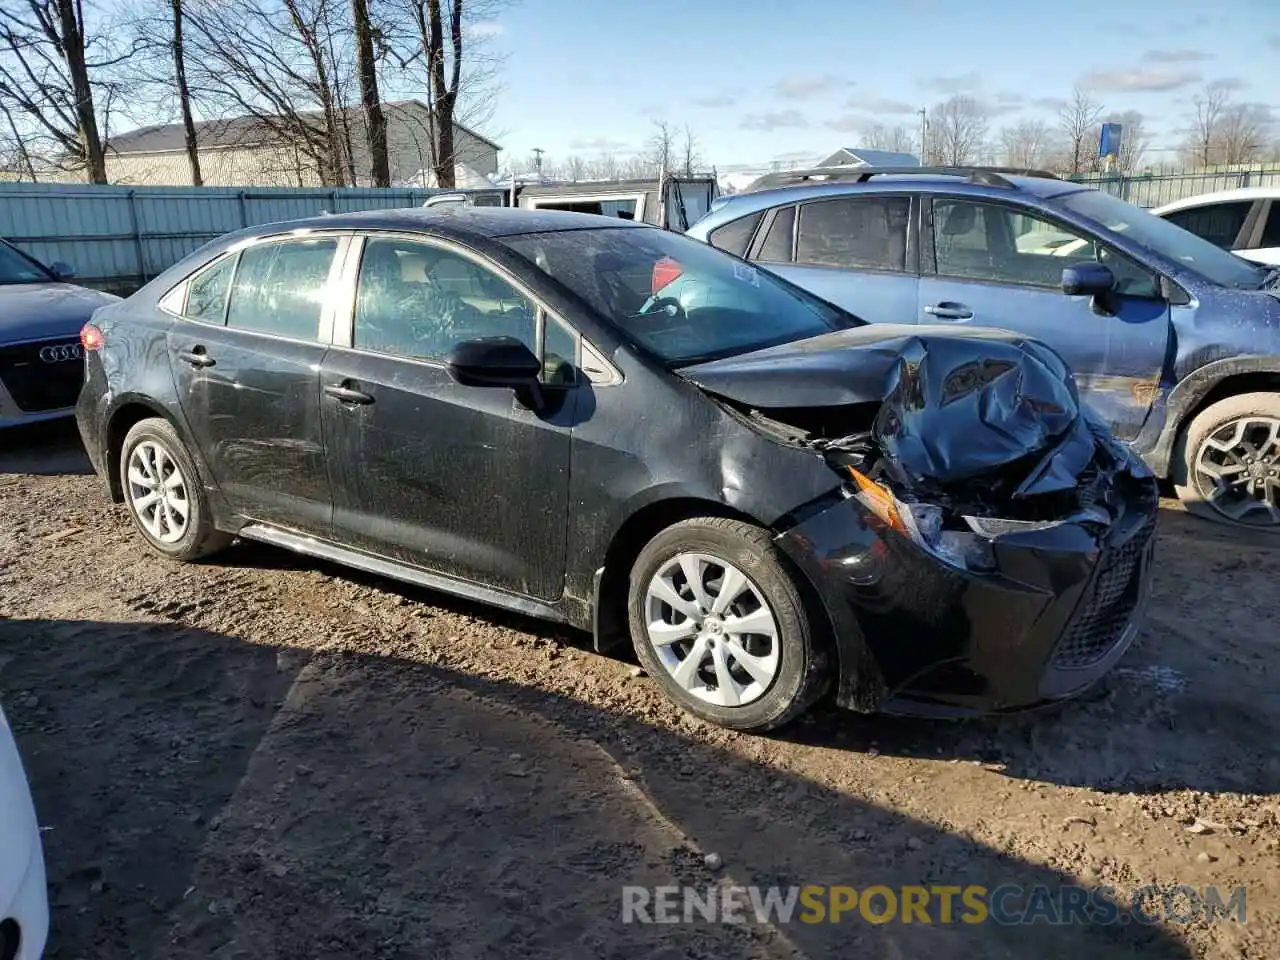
(158, 492)
(1238, 470)
(712, 630)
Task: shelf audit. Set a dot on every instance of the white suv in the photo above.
(24, 904)
(1245, 221)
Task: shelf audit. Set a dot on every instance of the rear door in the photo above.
(466, 481)
(998, 265)
(246, 355)
(858, 252)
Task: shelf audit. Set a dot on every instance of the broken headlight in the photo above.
(925, 525)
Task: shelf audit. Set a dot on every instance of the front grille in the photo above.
(43, 376)
(1104, 613)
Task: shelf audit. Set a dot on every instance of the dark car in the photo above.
(40, 353)
(765, 493)
(1175, 343)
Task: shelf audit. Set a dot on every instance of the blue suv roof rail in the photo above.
(987, 176)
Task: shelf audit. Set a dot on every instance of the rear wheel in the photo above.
(1227, 463)
(163, 494)
(719, 622)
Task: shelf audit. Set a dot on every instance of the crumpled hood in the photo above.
(954, 404)
(30, 311)
(19, 833)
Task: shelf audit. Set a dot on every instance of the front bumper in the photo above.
(39, 380)
(917, 636)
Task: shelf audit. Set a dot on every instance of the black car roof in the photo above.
(458, 222)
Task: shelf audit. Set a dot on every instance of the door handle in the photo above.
(946, 310)
(197, 357)
(346, 393)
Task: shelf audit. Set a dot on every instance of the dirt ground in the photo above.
(268, 757)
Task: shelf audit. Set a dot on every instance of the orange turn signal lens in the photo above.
(880, 500)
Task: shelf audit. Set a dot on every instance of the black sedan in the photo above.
(616, 427)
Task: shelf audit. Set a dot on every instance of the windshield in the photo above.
(15, 268)
(675, 297)
(1165, 238)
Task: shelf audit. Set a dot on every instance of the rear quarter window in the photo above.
(734, 236)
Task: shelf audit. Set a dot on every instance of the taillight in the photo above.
(665, 272)
(91, 337)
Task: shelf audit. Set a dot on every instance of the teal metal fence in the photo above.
(1154, 190)
(117, 238)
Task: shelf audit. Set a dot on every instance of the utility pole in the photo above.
(537, 159)
(924, 136)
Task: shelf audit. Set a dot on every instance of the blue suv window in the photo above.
(996, 243)
(869, 233)
(734, 236)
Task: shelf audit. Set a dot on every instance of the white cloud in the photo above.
(952, 84)
(487, 28)
(1181, 55)
(774, 120)
(1139, 80)
(715, 100)
(886, 105)
(805, 86)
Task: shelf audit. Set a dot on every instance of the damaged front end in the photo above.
(990, 545)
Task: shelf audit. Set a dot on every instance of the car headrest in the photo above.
(960, 220)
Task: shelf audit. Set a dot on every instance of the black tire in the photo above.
(200, 538)
(803, 671)
(1188, 485)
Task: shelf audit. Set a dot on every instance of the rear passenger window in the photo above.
(1271, 230)
(864, 232)
(777, 243)
(1219, 223)
(279, 288)
(734, 236)
(207, 292)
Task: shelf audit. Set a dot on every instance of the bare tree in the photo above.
(689, 158)
(1241, 133)
(184, 95)
(958, 131)
(283, 66)
(897, 138)
(375, 123)
(1079, 123)
(49, 64)
(440, 57)
(660, 149)
(1209, 105)
(1026, 144)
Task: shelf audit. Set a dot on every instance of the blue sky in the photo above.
(759, 80)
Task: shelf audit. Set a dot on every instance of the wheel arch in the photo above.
(124, 416)
(1204, 387)
(610, 629)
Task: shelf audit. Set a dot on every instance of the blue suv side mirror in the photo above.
(62, 270)
(1092, 279)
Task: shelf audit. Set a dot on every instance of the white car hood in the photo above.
(19, 831)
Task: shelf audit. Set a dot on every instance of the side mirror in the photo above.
(1087, 278)
(494, 362)
(62, 270)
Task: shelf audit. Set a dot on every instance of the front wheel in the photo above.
(163, 493)
(719, 622)
(1227, 463)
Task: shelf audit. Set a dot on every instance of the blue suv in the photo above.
(1175, 343)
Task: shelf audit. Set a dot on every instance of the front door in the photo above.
(467, 481)
(997, 265)
(246, 356)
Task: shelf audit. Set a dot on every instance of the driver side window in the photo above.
(419, 300)
(1000, 244)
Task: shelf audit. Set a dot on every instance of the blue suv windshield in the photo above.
(677, 298)
(1211, 262)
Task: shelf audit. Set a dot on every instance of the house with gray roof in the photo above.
(260, 152)
(861, 157)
